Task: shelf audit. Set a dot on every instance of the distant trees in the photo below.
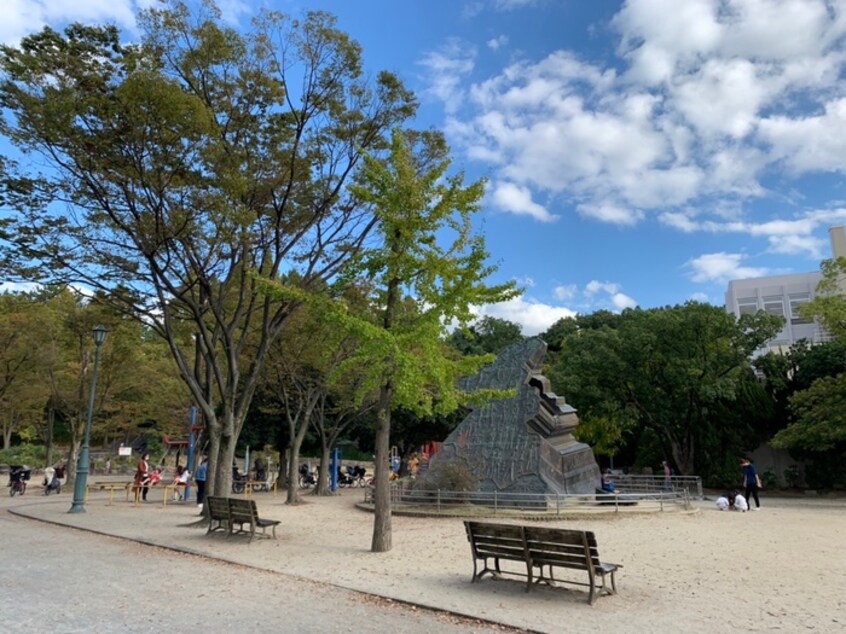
(680, 372)
(488, 335)
(46, 360)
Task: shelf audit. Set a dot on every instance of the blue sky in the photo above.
(638, 153)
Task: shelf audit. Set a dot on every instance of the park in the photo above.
(259, 313)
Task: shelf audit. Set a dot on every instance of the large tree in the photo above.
(427, 270)
(178, 166)
(671, 370)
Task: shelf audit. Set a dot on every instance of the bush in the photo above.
(769, 479)
(30, 455)
(448, 476)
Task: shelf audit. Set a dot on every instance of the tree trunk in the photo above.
(293, 466)
(51, 420)
(8, 425)
(223, 482)
(382, 484)
(322, 487)
(73, 459)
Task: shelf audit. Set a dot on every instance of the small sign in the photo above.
(124, 451)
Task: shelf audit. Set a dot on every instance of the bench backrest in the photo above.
(243, 510)
(496, 540)
(561, 547)
(218, 507)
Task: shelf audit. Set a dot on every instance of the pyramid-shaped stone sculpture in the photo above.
(522, 444)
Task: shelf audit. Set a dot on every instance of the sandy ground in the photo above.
(777, 569)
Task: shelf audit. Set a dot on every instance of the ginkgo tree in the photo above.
(427, 271)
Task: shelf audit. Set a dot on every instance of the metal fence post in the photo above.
(439, 501)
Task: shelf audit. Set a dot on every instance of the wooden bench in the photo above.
(237, 511)
(218, 513)
(244, 512)
(539, 547)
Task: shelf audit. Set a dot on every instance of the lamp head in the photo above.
(99, 334)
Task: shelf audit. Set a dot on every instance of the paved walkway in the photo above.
(328, 540)
(66, 582)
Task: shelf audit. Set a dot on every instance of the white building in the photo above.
(781, 295)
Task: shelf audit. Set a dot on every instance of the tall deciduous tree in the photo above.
(421, 278)
(181, 164)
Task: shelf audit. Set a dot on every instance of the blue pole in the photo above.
(333, 468)
(191, 441)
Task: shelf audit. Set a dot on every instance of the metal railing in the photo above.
(540, 505)
(629, 483)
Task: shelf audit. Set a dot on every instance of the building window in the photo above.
(774, 305)
(796, 300)
(747, 306)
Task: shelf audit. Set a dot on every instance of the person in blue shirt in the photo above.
(751, 482)
(200, 479)
(607, 481)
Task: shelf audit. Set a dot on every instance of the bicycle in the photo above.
(18, 476)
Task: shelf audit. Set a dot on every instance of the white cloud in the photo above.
(518, 200)
(595, 286)
(21, 17)
(510, 5)
(565, 292)
(621, 301)
(722, 267)
(717, 102)
(18, 287)
(611, 213)
(790, 237)
(447, 69)
(606, 295)
(533, 317)
(528, 282)
(497, 43)
(700, 297)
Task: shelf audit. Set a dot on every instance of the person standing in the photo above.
(751, 482)
(142, 476)
(668, 473)
(200, 479)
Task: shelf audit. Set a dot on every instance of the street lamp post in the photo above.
(82, 465)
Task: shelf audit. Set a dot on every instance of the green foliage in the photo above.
(820, 417)
(792, 477)
(25, 454)
(419, 279)
(825, 470)
(679, 371)
(489, 335)
(769, 479)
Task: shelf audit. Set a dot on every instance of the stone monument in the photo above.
(522, 444)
